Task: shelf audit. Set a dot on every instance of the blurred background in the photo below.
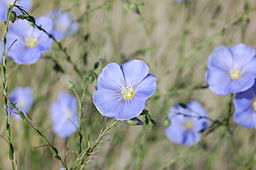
(175, 40)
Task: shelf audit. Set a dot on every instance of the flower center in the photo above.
(188, 125)
(22, 104)
(31, 42)
(127, 93)
(68, 114)
(61, 27)
(254, 104)
(235, 74)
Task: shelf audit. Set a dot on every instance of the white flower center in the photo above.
(68, 114)
(31, 41)
(61, 27)
(235, 73)
(127, 93)
(22, 104)
(188, 125)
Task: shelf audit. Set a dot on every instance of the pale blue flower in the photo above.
(122, 91)
(27, 43)
(64, 24)
(64, 115)
(22, 97)
(231, 70)
(186, 123)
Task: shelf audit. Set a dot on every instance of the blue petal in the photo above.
(190, 138)
(218, 81)
(221, 58)
(3, 12)
(249, 68)
(23, 55)
(243, 100)
(111, 104)
(242, 54)
(130, 109)
(25, 4)
(45, 23)
(175, 133)
(64, 102)
(147, 87)
(111, 78)
(73, 28)
(66, 129)
(241, 84)
(106, 101)
(246, 118)
(134, 71)
(197, 108)
(21, 28)
(44, 43)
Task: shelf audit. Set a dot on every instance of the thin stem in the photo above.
(27, 119)
(4, 84)
(91, 149)
(28, 17)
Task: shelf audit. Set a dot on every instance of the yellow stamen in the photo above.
(189, 125)
(235, 74)
(31, 42)
(127, 93)
(254, 104)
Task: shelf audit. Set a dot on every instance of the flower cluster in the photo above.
(122, 90)
(27, 43)
(232, 70)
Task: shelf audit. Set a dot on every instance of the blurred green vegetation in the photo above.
(174, 39)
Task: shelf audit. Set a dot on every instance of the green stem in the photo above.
(4, 84)
(28, 120)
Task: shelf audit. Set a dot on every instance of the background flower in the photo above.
(4, 4)
(64, 24)
(122, 91)
(231, 70)
(22, 97)
(27, 42)
(186, 123)
(64, 115)
(245, 108)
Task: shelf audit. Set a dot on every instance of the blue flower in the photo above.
(26, 42)
(122, 91)
(64, 115)
(245, 108)
(64, 24)
(4, 4)
(231, 70)
(22, 97)
(186, 123)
